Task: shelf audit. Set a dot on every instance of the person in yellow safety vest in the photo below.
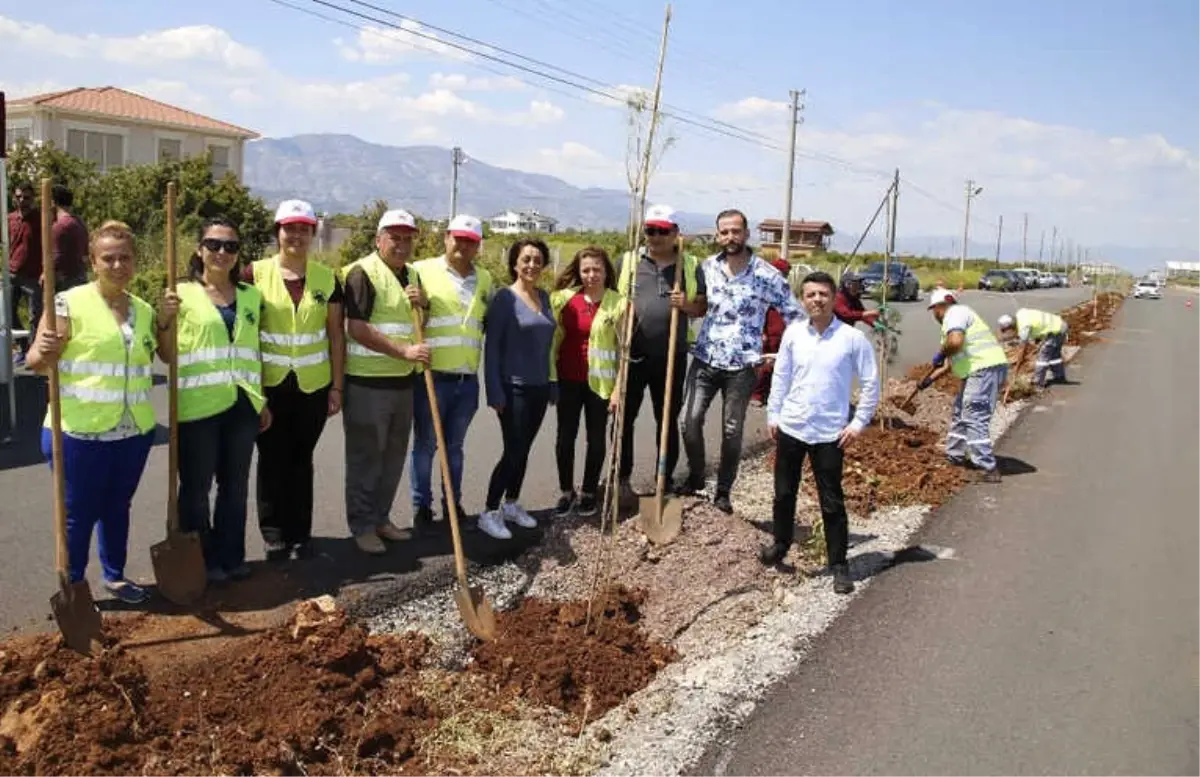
(589, 312)
(1037, 326)
(383, 364)
(459, 293)
(971, 351)
(303, 339)
(655, 269)
(102, 339)
(221, 404)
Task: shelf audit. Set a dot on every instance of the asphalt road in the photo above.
(1063, 638)
(26, 539)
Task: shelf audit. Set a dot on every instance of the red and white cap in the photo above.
(661, 216)
(295, 212)
(466, 226)
(397, 218)
(941, 297)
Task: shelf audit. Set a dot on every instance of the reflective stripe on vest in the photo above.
(980, 348)
(212, 368)
(1039, 323)
(454, 333)
(391, 315)
(603, 357)
(98, 375)
(690, 263)
(293, 338)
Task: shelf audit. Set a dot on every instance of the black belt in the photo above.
(452, 377)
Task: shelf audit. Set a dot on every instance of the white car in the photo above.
(1147, 290)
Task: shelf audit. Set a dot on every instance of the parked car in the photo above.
(1001, 280)
(1032, 278)
(1063, 280)
(1047, 280)
(902, 282)
(1147, 290)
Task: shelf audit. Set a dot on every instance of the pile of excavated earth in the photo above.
(612, 655)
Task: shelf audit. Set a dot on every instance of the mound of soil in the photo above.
(897, 467)
(548, 652)
(1092, 316)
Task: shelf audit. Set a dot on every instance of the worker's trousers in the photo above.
(377, 421)
(969, 438)
(1050, 358)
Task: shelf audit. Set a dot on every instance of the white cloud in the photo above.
(407, 40)
(173, 92)
(459, 82)
(751, 108)
(623, 93)
(573, 161)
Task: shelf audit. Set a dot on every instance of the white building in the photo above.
(512, 222)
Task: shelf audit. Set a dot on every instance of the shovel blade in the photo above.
(661, 520)
(77, 617)
(476, 612)
(179, 568)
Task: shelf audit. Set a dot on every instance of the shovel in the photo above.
(473, 604)
(73, 607)
(179, 559)
(908, 405)
(661, 518)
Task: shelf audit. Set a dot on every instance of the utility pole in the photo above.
(785, 244)
(973, 191)
(1024, 238)
(1053, 240)
(457, 159)
(999, 236)
(1041, 249)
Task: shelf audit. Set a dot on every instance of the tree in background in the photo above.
(362, 239)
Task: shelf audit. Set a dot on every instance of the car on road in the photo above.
(1032, 278)
(1063, 280)
(1001, 280)
(1147, 290)
(1047, 280)
(903, 283)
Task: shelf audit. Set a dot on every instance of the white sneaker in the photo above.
(515, 513)
(492, 524)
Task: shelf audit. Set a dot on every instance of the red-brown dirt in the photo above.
(897, 467)
(546, 651)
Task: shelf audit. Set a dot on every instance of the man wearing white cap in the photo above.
(1033, 326)
(656, 266)
(458, 293)
(382, 366)
(975, 356)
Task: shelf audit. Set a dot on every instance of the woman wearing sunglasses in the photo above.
(221, 402)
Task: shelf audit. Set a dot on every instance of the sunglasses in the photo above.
(657, 231)
(216, 246)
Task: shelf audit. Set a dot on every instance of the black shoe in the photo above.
(562, 508)
(842, 584)
(422, 520)
(276, 551)
(240, 572)
(988, 476)
(586, 506)
(722, 503)
(303, 550)
(772, 554)
(462, 511)
(691, 486)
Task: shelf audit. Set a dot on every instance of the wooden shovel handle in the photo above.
(172, 377)
(50, 319)
(672, 342)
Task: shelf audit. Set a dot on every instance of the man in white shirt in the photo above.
(808, 415)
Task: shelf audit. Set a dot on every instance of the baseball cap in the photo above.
(661, 216)
(295, 212)
(397, 218)
(465, 226)
(941, 297)
(1005, 321)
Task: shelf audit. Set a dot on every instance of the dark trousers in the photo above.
(826, 458)
(219, 447)
(377, 422)
(704, 382)
(101, 478)
(285, 462)
(652, 374)
(31, 289)
(524, 409)
(576, 398)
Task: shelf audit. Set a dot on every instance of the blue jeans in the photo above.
(1050, 358)
(457, 399)
(969, 437)
(218, 447)
(101, 478)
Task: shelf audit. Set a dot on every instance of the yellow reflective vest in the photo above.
(690, 263)
(212, 367)
(98, 375)
(980, 348)
(454, 329)
(1038, 323)
(603, 356)
(392, 315)
(293, 338)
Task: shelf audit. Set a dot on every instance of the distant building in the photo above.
(1183, 269)
(512, 222)
(115, 128)
(805, 238)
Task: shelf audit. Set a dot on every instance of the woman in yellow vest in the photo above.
(588, 310)
(303, 355)
(221, 402)
(103, 340)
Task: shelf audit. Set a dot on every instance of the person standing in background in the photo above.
(25, 262)
(303, 352)
(69, 237)
(520, 377)
(772, 334)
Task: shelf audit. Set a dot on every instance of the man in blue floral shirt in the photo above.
(740, 289)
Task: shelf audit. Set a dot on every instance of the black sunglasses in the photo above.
(216, 246)
(657, 231)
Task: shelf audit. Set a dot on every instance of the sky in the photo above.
(1083, 117)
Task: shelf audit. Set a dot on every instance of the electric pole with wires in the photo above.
(785, 244)
(457, 159)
